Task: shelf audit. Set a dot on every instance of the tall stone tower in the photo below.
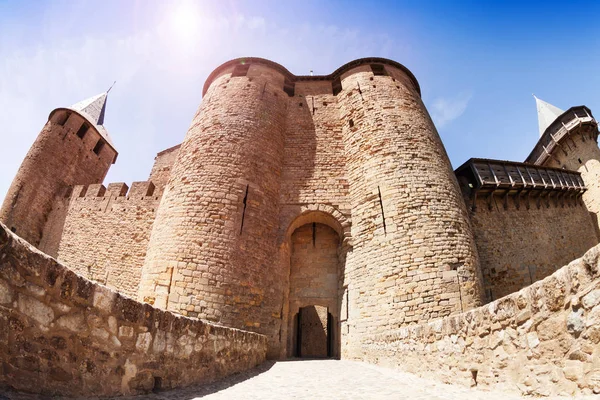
(270, 153)
(73, 148)
(569, 140)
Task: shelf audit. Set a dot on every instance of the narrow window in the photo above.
(378, 70)
(336, 86)
(382, 213)
(62, 119)
(289, 87)
(244, 211)
(98, 146)
(240, 70)
(82, 131)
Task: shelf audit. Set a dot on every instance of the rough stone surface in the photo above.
(64, 340)
(57, 160)
(220, 244)
(326, 379)
(106, 236)
(519, 246)
(551, 350)
(328, 193)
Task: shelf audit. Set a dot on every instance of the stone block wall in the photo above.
(518, 246)
(161, 170)
(413, 257)
(57, 160)
(106, 233)
(543, 340)
(61, 334)
(580, 152)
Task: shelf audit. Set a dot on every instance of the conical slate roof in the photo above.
(93, 108)
(547, 114)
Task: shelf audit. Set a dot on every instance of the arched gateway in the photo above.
(316, 263)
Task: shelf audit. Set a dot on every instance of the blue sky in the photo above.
(477, 63)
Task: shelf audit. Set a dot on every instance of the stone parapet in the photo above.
(61, 334)
(541, 341)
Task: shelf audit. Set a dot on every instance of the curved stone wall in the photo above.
(540, 341)
(61, 334)
(213, 245)
(414, 257)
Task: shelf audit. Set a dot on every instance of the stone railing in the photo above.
(541, 341)
(61, 334)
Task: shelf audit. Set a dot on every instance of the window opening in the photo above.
(99, 146)
(336, 86)
(378, 70)
(244, 211)
(240, 70)
(382, 213)
(82, 131)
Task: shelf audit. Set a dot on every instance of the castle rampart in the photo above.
(61, 334)
(106, 233)
(539, 341)
(319, 211)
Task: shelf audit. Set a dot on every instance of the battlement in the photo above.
(241, 66)
(139, 191)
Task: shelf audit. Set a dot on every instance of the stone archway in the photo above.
(315, 281)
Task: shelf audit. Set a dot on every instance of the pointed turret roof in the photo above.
(93, 110)
(547, 114)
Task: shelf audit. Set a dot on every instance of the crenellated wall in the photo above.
(57, 160)
(540, 341)
(61, 334)
(106, 233)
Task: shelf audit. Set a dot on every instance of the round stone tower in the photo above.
(414, 256)
(218, 245)
(569, 140)
(213, 245)
(73, 148)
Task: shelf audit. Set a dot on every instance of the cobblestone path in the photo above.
(323, 379)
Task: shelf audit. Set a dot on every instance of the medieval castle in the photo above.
(317, 211)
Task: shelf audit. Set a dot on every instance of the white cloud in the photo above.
(445, 110)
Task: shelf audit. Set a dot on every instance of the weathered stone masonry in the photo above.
(61, 334)
(319, 211)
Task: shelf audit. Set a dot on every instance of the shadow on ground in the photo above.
(190, 392)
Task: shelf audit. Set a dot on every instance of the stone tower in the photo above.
(269, 159)
(569, 140)
(73, 148)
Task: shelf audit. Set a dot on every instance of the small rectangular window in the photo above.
(99, 146)
(62, 119)
(289, 87)
(82, 131)
(240, 70)
(336, 86)
(378, 70)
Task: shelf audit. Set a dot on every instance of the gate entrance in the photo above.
(314, 292)
(314, 332)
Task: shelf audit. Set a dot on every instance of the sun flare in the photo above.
(184, 20)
